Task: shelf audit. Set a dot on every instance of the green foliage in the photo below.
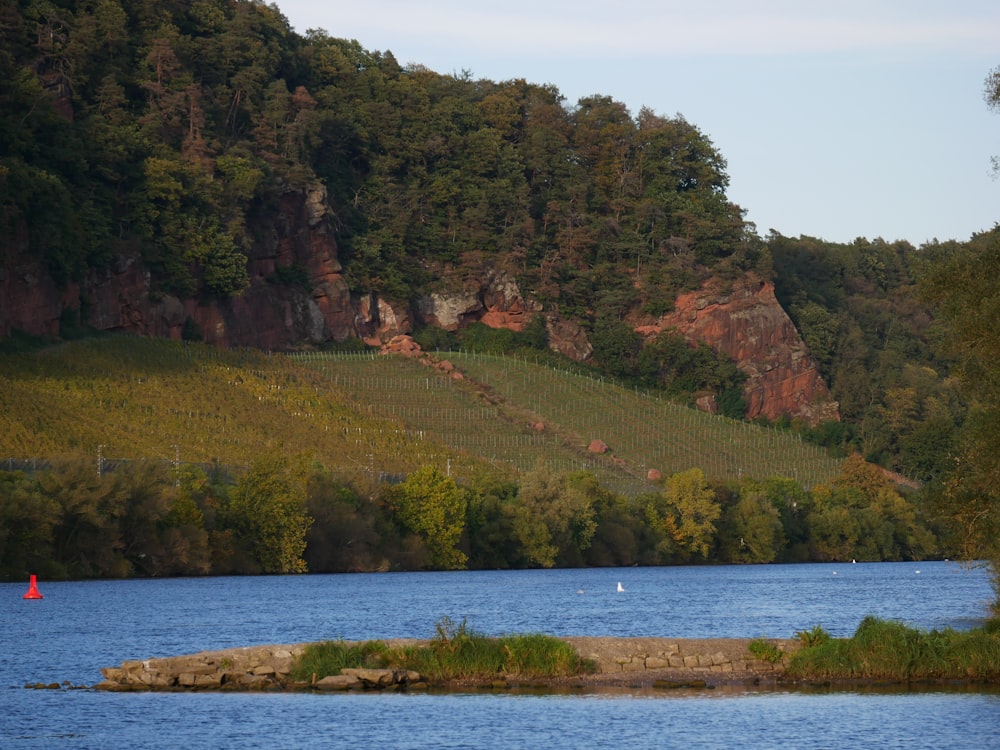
(687, 510)
(176, 131)
(861, 516)
(881, 649)
(481, 338)
(291, 275)
(957, 283)
(751, 528)
(616, 346)
(554, 518)
(430, 504)
(867, 325)
(765, 651)
(434, 339)
(456, 652)
(172, 425)
(267, 510)
(816, 636)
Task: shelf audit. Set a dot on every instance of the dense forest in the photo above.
(169, 129)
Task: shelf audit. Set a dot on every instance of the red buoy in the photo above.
(33, 589)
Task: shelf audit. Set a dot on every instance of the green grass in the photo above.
(366, 416)
(455, 653)
(888, 650)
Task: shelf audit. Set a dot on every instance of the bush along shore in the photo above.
(460, 658)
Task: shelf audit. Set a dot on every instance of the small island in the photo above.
(460, 658)
(602, 662)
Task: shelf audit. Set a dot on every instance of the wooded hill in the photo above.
(171, 131)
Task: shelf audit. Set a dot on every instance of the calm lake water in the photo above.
(80, 627)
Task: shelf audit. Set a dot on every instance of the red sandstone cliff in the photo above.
(266, 315)
(746, 323)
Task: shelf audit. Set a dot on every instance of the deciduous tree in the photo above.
(430, 504)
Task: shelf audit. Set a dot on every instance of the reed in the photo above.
(889, 650)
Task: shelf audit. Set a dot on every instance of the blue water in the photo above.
(80, 627)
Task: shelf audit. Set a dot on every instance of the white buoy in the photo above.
(620, 587)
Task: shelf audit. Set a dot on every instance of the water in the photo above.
(80, 627)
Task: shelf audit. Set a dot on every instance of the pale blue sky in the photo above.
(855, 118)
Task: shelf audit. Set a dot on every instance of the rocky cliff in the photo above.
(277, 311)
(743, 320)
(269, 314)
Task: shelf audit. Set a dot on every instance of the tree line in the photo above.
(293, 516)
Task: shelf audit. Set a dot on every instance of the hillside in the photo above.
(364, 413)
(198, 171)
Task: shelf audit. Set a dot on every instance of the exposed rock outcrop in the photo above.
(298, 297)
(269, 314)
(747, 323)
(567, 338)
(494, 300)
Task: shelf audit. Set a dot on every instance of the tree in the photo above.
(862, 516)
(268, 512)
(554, 519)
(492, 542)
(751, 530)
(87, 536)
(27, 520)
(343, 536)
(991, 93)
(687, 510)
(430, 504)
(962, 286)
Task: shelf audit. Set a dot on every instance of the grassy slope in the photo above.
(139, 398)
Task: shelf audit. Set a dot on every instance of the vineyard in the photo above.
(368, 415)
(521, 412)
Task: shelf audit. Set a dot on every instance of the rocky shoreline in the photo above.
(620, 662)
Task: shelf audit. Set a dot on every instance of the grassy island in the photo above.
(455, 653)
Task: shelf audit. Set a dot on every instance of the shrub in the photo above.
(813, 637)
(881, 649)
(765, 651)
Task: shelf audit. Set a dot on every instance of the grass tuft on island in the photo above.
(455, 653)
(889, 650)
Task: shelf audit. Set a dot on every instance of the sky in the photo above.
(838, 120)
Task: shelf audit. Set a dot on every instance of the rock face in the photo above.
(746, 323)
(744, 320)
(267, 315)
(494, 300)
